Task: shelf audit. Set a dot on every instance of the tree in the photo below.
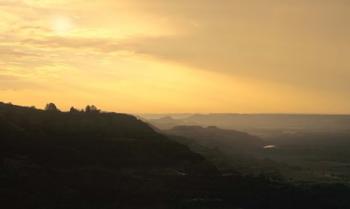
(51, 107)
(73, 110)
(91, 109)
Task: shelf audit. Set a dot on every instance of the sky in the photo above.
(166, 56)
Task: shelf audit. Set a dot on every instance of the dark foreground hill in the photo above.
(79, 139)
(83, 160)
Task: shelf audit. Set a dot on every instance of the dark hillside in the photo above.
(222, 139)
(93, 160)
(62, 139)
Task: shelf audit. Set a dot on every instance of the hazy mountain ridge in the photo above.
(222, 139)
(297, 156)
(255, 123)
(230, 150)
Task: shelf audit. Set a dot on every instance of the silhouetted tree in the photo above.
(73, 110)
(91, 109)
(51, 107)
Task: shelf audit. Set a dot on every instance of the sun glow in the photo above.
(177, 56)
(62, 25)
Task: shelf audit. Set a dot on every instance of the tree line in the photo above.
(51, 107)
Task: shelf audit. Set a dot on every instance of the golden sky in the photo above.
(161, 56)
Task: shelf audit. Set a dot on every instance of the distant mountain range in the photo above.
(257, 123)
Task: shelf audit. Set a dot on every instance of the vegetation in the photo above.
(93, 159)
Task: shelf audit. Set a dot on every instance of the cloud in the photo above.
(302, 44)
(76, 43)
(9, 82)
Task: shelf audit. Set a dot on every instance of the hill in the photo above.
(230, 150)
(222, 139)
(261, 124)
(95, 160)
(64, 139)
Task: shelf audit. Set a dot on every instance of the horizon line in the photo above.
(202, 113)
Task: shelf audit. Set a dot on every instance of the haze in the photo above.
(157, 56)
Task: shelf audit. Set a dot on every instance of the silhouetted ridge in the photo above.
(69, 139)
